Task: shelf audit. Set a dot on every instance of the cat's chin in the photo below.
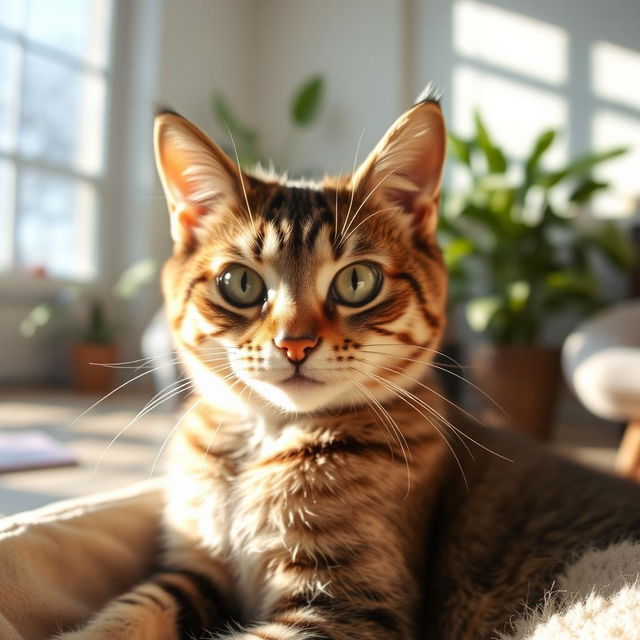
(298, 394)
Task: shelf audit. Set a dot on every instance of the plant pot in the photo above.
(523, 380)
(90, 377)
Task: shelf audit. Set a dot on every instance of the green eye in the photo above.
(241, 286)
(357, 284)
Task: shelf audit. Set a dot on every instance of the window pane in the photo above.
(12, 13)
(55, 225)
(62, 115)
(78, 28)
(9, 85)
(6, 213)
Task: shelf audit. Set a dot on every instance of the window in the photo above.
(54, 81)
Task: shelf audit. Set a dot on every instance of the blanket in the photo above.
(61, 563)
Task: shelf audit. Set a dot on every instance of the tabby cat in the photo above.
(317, 490)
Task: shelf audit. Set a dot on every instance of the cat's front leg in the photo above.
(171, 605)
(357, 614)
(332, 623)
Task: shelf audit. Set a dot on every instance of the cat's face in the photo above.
(309, 295)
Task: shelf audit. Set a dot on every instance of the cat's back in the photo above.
(499, 542)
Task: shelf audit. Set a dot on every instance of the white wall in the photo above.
(183, 51)
(358, 46)
(573, 65)
(375, 55)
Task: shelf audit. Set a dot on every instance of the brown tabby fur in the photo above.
(342, 512)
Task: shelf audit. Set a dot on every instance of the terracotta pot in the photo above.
(523, 380)
(92, 377)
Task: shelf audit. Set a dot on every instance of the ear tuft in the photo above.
(431, 93)
(161, 109)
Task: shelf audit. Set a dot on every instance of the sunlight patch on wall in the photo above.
(611, 129)
(616, 74)
(516, 113)
(510, 41)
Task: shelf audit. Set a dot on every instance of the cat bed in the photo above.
(61, 563)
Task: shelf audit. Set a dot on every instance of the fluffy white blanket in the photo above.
(61, 563)
(597, 598)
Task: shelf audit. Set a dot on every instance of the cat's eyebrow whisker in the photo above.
(355, 161)
(375, 188)
(244, 190)
(383, 382)
(363, 221)
(335, 215)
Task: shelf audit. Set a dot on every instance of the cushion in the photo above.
(601, 361)
(60, 563)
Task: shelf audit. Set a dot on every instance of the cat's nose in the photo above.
(296, 349)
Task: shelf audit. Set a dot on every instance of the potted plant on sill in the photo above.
(95, 343)
(519, 254)
(96, 347)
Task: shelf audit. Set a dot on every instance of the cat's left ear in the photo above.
(198, 178)
(406, 166)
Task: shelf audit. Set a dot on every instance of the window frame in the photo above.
(13, 281)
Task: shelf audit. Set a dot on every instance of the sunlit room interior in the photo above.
(84, 222)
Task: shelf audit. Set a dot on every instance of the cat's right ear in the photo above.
(198, 178)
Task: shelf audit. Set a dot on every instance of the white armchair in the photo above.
(601, 362)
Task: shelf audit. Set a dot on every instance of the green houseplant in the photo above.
(304, 109)
(93, 335)
(521, 248)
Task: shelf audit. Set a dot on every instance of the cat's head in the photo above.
(307, 295)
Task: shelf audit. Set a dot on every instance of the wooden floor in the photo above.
(132, 456)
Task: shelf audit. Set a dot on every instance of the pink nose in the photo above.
(296, 349)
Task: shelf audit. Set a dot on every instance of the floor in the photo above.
(135, 454)
(101, 466)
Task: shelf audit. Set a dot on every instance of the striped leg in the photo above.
(172, 605)
(329, 619)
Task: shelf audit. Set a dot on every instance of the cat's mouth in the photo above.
(299, 380)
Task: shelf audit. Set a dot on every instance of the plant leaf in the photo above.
(307, 101)
(581, 165)
(518, 293)
(224, 113)
(585, 190)
(460, 149)
(542, 143)
(457, 250)
(614, 244)
(496, 162)
(480, 311)
(134, 278)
